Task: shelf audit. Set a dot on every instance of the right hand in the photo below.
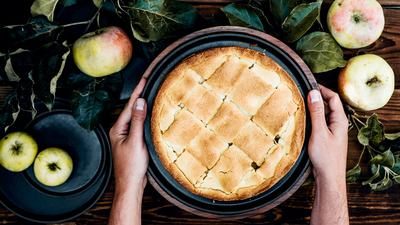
(327, 147)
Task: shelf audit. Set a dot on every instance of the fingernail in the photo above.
(315, 96)
(140, 104)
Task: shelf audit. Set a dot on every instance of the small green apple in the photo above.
(17, 151)
(53, 166)
(102, 52)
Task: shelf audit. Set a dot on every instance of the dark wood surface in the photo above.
(365, 206)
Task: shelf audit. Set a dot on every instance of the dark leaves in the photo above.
(36, 33)
(48, 71)
(153, 20)
(281, 9)
(25, 95)
(384, 159)
(320, 52)
(381, 185)
(247, 16)
(375, 176)
(300, 21)
(10, 111)
(353, 174)
(92, 98)
(372, 132)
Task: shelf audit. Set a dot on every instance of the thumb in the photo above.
(138, 118)
(316, 107)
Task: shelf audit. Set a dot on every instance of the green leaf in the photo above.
(246, 16)
(362, 139)
(10, 72)
(281, 9)
(44, 7)
(97, 2)
(25, 94)
(376, 175)
(10, 111)
(373, 130)
(67, 3)
(300, 21)
(92, 98)
(384, 159)
(153, 20)
(397, 179)
(36, 33)
(381, 185)
(392, 137)
(353, 174)
(310, 179)
(48, 71)
(320, 52)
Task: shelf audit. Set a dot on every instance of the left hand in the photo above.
(130, 155)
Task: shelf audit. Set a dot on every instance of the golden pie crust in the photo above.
(228, 123)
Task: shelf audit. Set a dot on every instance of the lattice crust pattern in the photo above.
(228, 123)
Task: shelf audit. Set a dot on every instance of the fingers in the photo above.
(121, 126)
(137, 122)
(317, 112)
(337, 116)
(136, 93)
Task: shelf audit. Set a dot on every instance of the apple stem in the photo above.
(16, 148)
(357, 17)
(373, 81)
(53, 167)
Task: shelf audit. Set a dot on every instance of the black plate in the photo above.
(158, 74)
(26, 197)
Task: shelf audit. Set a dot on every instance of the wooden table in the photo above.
(365, 206)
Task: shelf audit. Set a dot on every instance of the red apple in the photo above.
(102, 52)
(367, 82)
(355, 23)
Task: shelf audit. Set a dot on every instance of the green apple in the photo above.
(367, 82)
(53, 166)
(17, 151)
(102, 52)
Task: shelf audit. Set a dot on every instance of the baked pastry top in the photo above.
(228, 123)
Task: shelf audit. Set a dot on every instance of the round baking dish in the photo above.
(221, 37)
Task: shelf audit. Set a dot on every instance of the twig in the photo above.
(94, 17)
(77, 23)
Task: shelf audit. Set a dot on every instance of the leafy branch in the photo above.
(32, 59)
(385, 165)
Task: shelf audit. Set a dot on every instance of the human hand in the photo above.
(130, 155)
(327, 147)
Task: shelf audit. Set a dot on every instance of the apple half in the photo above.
(17, 151)
(355, 23)
(53, 166)
(367, 82)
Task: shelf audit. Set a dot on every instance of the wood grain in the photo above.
(365, 206)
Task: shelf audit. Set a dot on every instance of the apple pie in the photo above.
(228, 123)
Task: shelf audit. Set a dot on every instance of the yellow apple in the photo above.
(367, 82)
(355, 23)
(17, 151)
(53, 166)
(102, 52)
